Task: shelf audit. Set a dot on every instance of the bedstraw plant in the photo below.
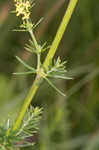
(14, 136)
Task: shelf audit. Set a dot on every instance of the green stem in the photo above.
(46, 63)
(37, 48)
(27, 101)
(60, 32)
(39, 61)
(34, 40)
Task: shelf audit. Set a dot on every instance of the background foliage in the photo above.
(70, 122)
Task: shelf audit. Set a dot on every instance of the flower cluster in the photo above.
(23, 8)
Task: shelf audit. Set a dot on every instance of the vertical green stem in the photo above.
(34, 39)
(46, 63)
(39, 61)
(60, 32)
(37, 48)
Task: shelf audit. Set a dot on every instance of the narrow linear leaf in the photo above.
(19, 30)
(61, 71)
(60, 77)
(30, 49)
(43, 50)
(44, 45)
(38, 22)
(23, 73)
(52, 85)
(55, 72)
(26, 65)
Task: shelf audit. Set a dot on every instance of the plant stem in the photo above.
(34, 39)
(37, 48)
(60, 32)
(38, 61)
(27, 101)
(46, 63)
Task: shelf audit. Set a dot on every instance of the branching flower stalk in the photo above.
(14, 136)
(45, 70)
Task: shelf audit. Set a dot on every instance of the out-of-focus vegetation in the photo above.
(67, 123)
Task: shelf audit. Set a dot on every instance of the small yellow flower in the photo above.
(26, 16)
(23, 8)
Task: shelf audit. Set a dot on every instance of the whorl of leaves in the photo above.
(11, 140)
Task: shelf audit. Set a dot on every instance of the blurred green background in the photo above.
(70, 123)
